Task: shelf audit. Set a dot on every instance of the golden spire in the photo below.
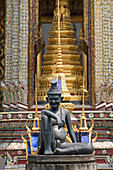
(59, 68)
(61, 58)
(83, 123)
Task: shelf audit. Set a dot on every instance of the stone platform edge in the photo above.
(50, 159)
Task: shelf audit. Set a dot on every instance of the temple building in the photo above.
(72, 43)
(29, 45)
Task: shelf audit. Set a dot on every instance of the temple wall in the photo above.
(103, 20)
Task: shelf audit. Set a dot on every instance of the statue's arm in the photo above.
(52, 115)
(69, 126)
(49, 114)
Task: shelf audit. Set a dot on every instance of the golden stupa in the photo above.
(62, 59)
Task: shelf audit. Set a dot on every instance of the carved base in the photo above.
(61, 162)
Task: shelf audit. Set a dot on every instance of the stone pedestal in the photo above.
(61, 162)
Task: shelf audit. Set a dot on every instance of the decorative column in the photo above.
(88, 48)
(91, 52)
(85, 20)
(106, 30)
(8, 41)
(103, 10)
(111, 36)
(15, 42)
(85, 41)
(23, 43)
(16, 48)
(2, 50)
(37, 39)
(31, 55)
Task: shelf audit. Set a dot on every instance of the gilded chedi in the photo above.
(62, 59)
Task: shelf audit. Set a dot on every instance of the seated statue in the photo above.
(53, 136)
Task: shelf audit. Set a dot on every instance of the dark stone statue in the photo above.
(53, 136)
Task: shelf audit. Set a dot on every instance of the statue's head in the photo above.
(54, 94)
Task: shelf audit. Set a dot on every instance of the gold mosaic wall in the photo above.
(92, 52)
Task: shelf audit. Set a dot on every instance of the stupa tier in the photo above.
(70, 77)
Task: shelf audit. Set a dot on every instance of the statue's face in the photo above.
(54, 100)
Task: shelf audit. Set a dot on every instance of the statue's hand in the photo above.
(59, 122)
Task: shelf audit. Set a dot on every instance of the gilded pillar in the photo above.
(31, 56)
(85, 20)
(85, 40)
(36, 24)
(91, 52)
(37, 36)
(92, 56)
